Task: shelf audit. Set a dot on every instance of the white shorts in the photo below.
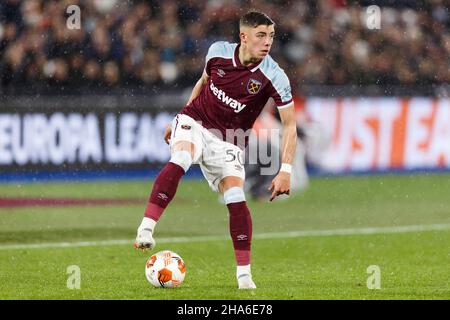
(217, 158)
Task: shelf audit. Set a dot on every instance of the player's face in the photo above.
(259, 40)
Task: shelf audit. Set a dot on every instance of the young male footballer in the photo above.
(212, 130)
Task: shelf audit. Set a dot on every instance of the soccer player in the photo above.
(212, 128)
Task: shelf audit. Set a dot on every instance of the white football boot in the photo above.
(244, 277)
(245, 282)
(144, 239)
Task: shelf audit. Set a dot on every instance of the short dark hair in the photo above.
(255, 18)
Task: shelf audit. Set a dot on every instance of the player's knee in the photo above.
(234, 195)
(182, 158)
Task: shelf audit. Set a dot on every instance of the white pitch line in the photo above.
(273, 235)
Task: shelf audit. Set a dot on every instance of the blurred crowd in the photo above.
(162, 44)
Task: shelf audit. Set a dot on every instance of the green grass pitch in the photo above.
(413, 265)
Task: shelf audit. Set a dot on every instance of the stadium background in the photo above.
(131, 66)
(93, 103)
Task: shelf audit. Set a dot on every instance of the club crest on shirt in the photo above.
(253, 86)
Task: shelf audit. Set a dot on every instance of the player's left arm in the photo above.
(281, 184)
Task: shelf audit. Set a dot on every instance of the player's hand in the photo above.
(281, 184)
(167, 133)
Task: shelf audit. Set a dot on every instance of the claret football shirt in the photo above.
(235, 94)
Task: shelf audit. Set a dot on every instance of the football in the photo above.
(165, 269)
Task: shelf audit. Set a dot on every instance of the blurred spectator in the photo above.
(111, 74)
(162, 44)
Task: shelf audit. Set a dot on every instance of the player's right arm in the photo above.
(195, 92)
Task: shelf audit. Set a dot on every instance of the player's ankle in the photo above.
(147, 224)
(243, 270)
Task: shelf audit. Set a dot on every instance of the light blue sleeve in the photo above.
(219, 49)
